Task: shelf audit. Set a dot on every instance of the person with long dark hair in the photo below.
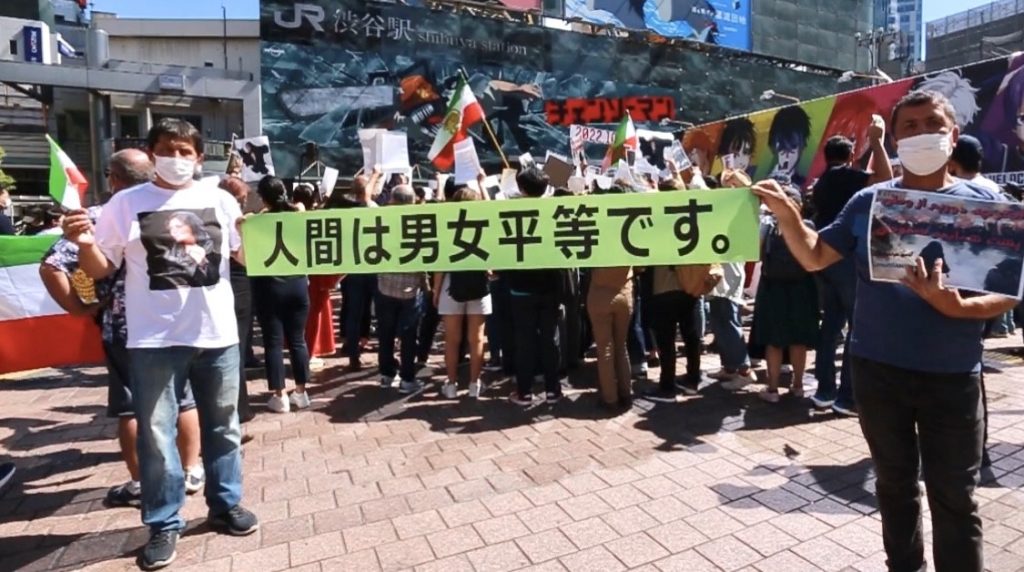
(282, 306)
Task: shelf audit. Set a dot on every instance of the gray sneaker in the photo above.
(160, 551)
(407, 387)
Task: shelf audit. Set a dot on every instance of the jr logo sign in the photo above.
(301, 12)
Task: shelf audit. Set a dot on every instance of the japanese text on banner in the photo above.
(609, 230)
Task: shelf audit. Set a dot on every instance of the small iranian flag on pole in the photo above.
(625, 139)
(463, 112)
(67, 184)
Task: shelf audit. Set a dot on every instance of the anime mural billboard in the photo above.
(333, 67)
(722, 22)
(789, 142)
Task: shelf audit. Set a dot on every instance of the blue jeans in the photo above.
(398, 318)
(837, 288)
(724, 319)
(159, 376)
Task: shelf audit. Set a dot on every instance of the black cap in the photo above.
(968, 153)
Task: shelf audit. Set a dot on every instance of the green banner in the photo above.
(638, 229)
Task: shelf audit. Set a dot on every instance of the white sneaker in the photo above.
(739, 381)
(449, 390)
(300, 400)
(475, 389)
(278, 404)
(316, 364)
(195, 480)
(386, 382)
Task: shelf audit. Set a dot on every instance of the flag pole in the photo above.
(487, 124)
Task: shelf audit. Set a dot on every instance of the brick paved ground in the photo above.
(368, 480)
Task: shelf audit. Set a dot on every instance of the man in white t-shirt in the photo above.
(175, 237)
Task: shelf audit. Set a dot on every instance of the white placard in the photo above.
(368, 141)
(509, 186)
(676, 154)
(328, 182)
(256, 160)
(525, 160)
(467, 164)
(393, 152)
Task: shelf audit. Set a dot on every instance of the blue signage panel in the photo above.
(33, 39)
(722, 22)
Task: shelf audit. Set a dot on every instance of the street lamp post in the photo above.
(873, 41)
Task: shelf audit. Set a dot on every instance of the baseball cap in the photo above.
(968, 153)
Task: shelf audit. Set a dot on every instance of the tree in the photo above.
(6, 181)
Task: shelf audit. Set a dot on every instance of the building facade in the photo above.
(985, 32)
(188, 53)
(812, 31)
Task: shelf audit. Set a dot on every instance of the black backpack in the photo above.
(779, 263)
(467, 285)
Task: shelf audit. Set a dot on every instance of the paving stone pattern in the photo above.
(370, 480)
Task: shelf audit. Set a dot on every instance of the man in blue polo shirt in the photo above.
(916, 354)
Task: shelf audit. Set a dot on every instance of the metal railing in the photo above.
(960, 21)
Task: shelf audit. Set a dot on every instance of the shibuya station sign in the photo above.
(369, 25)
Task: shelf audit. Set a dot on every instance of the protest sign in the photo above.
(256, 159)
(676, 154)
(327, 183)
(981, 243)
(509, 186)
(558, 170)
(467, 164)
(609, 230)
(368, 141)
(393, 152)
(585, 134)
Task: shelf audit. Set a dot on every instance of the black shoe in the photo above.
(553, 398)
(236, 522)
(123, 495)
(660, 395)
(7, 471)
(160, 551)
(688, 388)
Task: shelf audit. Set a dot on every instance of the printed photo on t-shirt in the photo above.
(182, 248)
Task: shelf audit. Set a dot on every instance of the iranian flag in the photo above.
(34, 330)
(67, 184)
(463, 112)
(625, 139)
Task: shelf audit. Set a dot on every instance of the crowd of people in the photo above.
(178, 311)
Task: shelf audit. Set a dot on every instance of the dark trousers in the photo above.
(837, 286)
(357, 292)
(427, 330)
(635, 342)
(282, 306)
(670, 310)
(535, 320)
(398, 318)
(243, 315)
(930, 425)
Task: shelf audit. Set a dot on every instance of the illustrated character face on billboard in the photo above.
(1013, 106)
(739, 140)
(787, 137)
(851, 118)
(701, 149)
(958, 90)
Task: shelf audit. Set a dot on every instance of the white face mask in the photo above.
(175, 170)
(926, 153)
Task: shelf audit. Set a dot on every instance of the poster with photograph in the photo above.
(256, 160)
(981, 243)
